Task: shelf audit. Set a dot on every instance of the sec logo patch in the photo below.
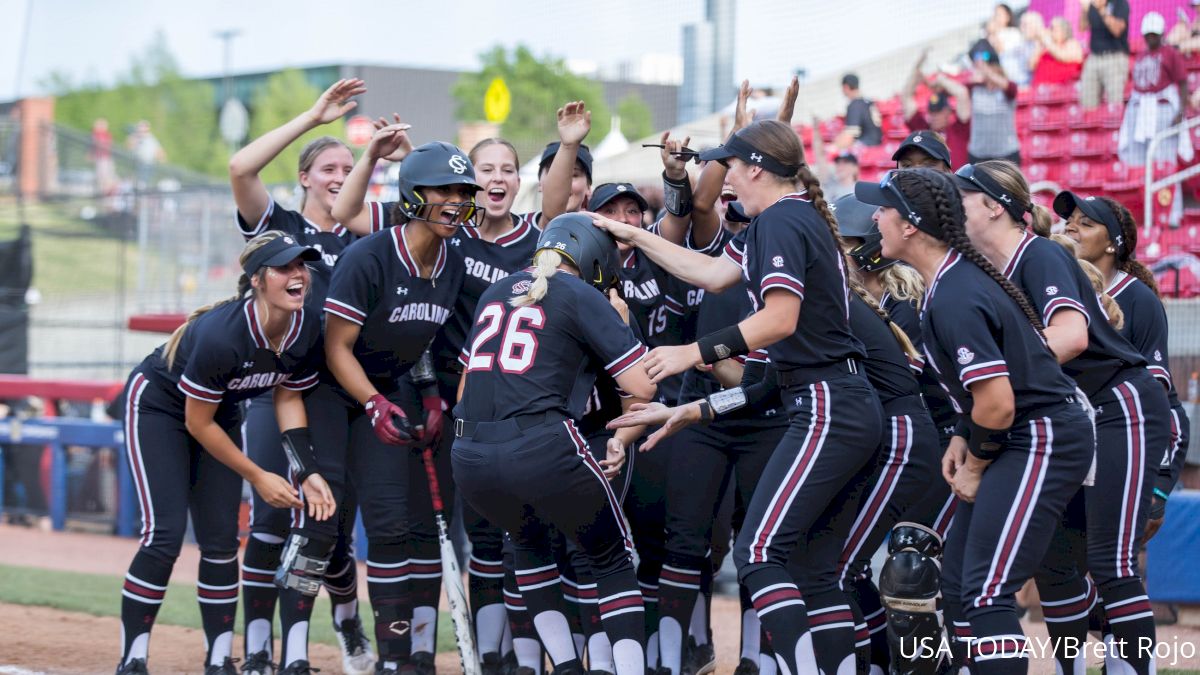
(777, 261)
(965, 356)
(1052, 290)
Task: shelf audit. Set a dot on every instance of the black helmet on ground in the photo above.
(434, 165)
(591, 250)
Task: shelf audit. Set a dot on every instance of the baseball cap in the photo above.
(887, 193)
(739, 147)
(969, 179)
(583, 157)
(1098, 210)
(606, 192)
(278, 252)
(927, 143)
(938, 101)
(1153, 23)
(846, 156)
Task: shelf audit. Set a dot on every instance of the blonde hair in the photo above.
(903, 283)
(244, 286)
(545, 265)
(1112, 310)
(473, 154)
(854, 280)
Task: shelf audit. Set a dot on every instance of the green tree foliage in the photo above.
(539, 87)
(636, 120)
(182, 113)
(285, 95)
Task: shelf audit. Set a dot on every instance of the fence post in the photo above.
(58, 486)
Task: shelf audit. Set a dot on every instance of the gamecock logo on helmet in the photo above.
(458, 164)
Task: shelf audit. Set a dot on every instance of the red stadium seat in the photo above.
(1050, 94)
(891, 106)
(1083, 176)
(895, 127)
(1043, 118)
(1100, 143)
(1112, 114)
(830, 128)
(1045, 146)
(1038, 172)
(1120, 177)
(879, 156)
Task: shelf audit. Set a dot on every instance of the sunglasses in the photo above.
(686, 154)
(888, 183)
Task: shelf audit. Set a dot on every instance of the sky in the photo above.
(90, 39)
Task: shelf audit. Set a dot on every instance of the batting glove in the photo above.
(388, 421)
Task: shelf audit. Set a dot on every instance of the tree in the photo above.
(182, 113)
(636, 121)
(539, 87)
(283, 96)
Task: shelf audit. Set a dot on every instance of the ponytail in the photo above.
(1040, 220)
(903, 283)
(545, 265)
(244, 288)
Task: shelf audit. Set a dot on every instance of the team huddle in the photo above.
(622, 398)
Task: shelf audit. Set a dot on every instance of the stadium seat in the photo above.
(879, 156)
(1050, 94)
(1083, 176)
(1111, 115)
(830, 128)
(1089, 144)
(1044, 146)
(1037, 172)
(1120, 177)
(894, 127)
(1046, 118)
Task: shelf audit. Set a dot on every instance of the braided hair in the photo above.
(1127, 260)
(934, 193)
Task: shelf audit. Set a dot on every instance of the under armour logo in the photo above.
(247, 364)
(400, 290)
(455, 242)
(755, 157)
(1006, 199)
(458, 164)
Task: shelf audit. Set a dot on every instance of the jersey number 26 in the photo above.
(519, 346)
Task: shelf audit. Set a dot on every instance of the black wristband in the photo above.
(706, 413)
(677, 196)
(301, 456)
(986, 444)
(722, 344)
(422, 373)
(961, 427)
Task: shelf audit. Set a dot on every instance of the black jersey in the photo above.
(1053, 280)
(905, 314)
(224, 357)
(529, 360)
(378, 286)
(330, 243)
(484, 263)
(789, 246)
(889, 369)
(974, 331)
(596, 399)
(1145, 326)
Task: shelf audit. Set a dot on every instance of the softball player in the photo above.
(1132, 417)
(519, 457)
(181, 434)
(788, 256)
(324, 164)
(1109, 241)
(395, 293)
(1028, 441)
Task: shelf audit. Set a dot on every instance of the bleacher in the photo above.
(1064, 147)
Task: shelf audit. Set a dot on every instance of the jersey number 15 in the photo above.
(519, 346)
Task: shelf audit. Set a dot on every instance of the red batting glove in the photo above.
(435, 418)
(388, 421)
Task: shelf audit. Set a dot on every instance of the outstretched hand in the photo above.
(674, 164)
(574, 122)
(334, 102)
(622, 232)
(390, 141)
(741, 117)
(787, 107)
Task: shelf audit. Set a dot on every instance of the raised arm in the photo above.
(249, 193)
(908, 95)
(962, 96)
(390, 142)
(574, 123)
(674, 228)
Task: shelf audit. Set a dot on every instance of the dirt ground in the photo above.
(44, 640)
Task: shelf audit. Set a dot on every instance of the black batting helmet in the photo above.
(435, 164)
(591, 250)
(855, 219)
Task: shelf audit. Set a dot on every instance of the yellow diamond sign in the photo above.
(497, 101)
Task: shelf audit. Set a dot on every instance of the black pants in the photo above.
(531, 480)
(997, 543)
(835, 426)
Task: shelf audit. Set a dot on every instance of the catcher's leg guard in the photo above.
(910, 587)
(304, 562)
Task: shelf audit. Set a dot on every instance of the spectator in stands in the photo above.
(993, 109)
(954, 123)
(923, 149)
(1185, 34)
(1059, 56)
(1159, 96)
(841, 179)
(863, 121)
(1017, 59)
(1107, 64)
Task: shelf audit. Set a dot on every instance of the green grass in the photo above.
(100, 595)
(70, 254)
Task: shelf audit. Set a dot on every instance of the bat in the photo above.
(456, 597)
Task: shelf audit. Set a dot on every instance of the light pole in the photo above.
(226, 37)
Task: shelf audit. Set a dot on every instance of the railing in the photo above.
(1153, 186)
